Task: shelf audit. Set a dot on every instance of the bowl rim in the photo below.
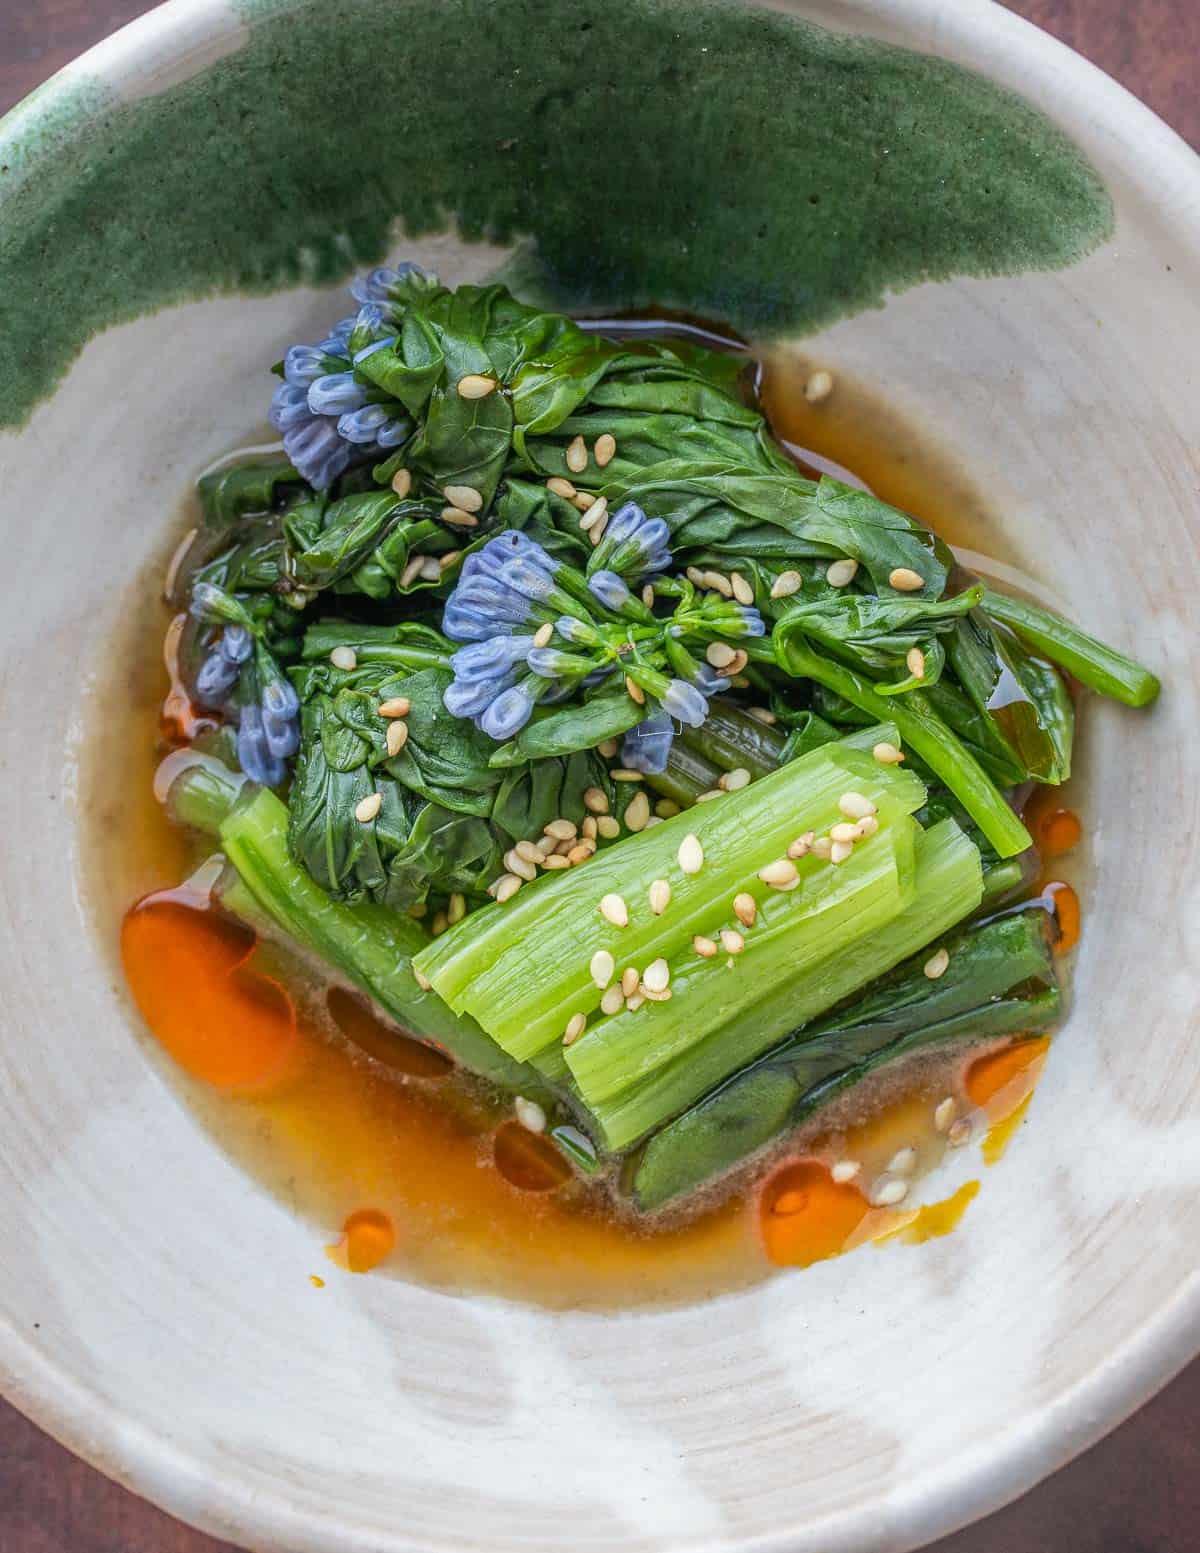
(932, 1505)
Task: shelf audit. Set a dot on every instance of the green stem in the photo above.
(1092, 663)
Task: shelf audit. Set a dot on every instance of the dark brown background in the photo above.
(1138, 1491)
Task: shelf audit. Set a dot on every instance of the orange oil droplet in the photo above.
(806, 1216)
(1064, 903)
(316, 1281)
(1055, 828)
(364, 1029)
(368, 1238)
(190, 974)
(527, 1160)
(988, 1075)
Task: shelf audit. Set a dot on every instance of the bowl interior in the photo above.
(155, 1302)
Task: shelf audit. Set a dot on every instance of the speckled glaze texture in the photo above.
(155, 1308)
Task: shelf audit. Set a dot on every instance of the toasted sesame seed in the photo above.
(541, 637)
(507, 886)
(660, 896)
(719, 583)
(840, 851)
(695, 576)
(887, 1192)
(719, 654)
(903, 1162)
(704, 946)
(580, 853)
(733, 781)
(530, 1114)
(394, 706)
(577, 455)
(575, 1028)
(637, 812)
(613, 1000)
(456, 908)
(596, 799)
(742, 590)
(630, 977)
(555, 861)
(732, 941)
(344, 658)
(588, 829)
(412, 571)
(422, 980)
(635, 1002)
(745, 909)
(959, 1134)
(648, 595)
(867, 826)
(856, 806)
(582, 500)
(713, 792)
(845, 1170)
(367, 808)
(656, 976)
(915, 660)
(594, 512)
(605, 449)
(397, 736)
(944, 1113)
(439, 923)
(839, 573)
(608, 826)
(624, 774)
(475, 386)
(822, 847)
(667, 809)
(800, 847)
(780, 875)
(464, 496)
(819, 386)
(656, 995)
(459, 518)
(596, 532)
(613, 909)
(691, 854)
(887, 754)
(402, 482)
(521, 866)
(636, 693)
(935, 967)
(786, 584)
(448, 560)
(843, 832)
(530, 851)
(602, 968)
(763, 714)
(738, 662)
(608, 748)
(560, 487)
(562, 830)
(905, 580)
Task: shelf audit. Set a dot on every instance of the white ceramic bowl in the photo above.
(155, 1311)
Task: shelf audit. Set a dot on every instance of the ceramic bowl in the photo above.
(1021, 279)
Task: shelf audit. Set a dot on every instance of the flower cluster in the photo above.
(633, 546)
(330, 415)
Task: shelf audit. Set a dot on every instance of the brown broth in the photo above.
(413, 1171)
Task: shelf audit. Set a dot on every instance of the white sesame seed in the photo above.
(562, 830)
(608, 748)
(655, 996)
(580, 853)
(691, 854)
(635, 1002)
(554, 862)
(763, 714)
(903, 1162)
(395, 706)
(648, 595)
(656, 976)
(560, 487)
(613, 909)
(577, 455)
(367, 808)
(800, 847)
(786, 584)
(344, 658)
(887, 754)
(915, 661)
(613, 1000)
(635, 691)
(448, 560)
(630, 977)
(464, 496)
(530, 1114)
(745, 909)
(843, 832)
(660, 896)
(780, 875)
(845, 1170)
(475, 386)
(839, 573)
(456, 908)
(588, 829)
(507, 886)
(822, 847)
(601, 968)
(624, 774)
(819, 386)
(840, 851)
(422, 980)
(732, 941)
(530, 851)
(867, 826)
(719, 654)
(856, 806)
(937, 964)
(439, 923)
(541, 637)
(608, 826)
(637, 812)
(594, 512)
(596, 800)
(667, 809)
(605, 449)
(521, 866)
(704, 946)
(412, 571)
(583, 500)
(397, 736)
(459, 518)
(575, 1028)
(713, 792)
(402, 482)
(944, 1113)
(905, 580)
(742, 590)
(959, 1134)
(694, 576)
(720, 583)
(886, 1193)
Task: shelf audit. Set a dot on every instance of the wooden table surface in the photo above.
(1136, 1492)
